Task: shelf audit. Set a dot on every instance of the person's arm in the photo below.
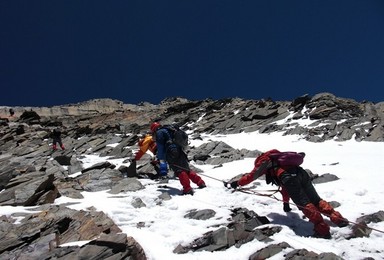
(285, 195)
(286, 198)
(138, 155)
(255, 173)
(152, 147)
(143, 148)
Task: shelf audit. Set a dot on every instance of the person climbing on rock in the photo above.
(56, 139)
(296, 183)
(11, 112)
(172, 154)
(147, 143)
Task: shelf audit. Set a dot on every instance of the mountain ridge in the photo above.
(328, 116)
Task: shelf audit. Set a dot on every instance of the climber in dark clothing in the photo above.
(297, 185)
(56, 137)
(173, 154)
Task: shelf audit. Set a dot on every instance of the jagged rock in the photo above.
(40, 233)
(98, 166)
(305, 254)
(30, 116)
(63, 159)
(299, 102)
(138, 203)
(361, 229)
(99, 179)
(269, 251)
(69, 188)
(201, 214)
(126, 184)
(74, 166)
(327, 177)
(30, 189)
(239, 231)
(165, 196)
(219, 153)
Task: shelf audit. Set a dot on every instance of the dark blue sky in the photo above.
(61, 52)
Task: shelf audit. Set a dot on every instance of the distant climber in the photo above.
(56, 139)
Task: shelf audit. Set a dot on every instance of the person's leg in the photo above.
(319, 226)
(293, 183)
(177, 163)
(308, 188)
(185, 182)
(183, 164)
(196, 179)
(61, 144)
(335, 216)
(323, 206)
(54, 141)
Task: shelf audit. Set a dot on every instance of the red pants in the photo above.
(313, 214)
(185, 179)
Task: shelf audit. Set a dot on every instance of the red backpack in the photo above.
(286, 159)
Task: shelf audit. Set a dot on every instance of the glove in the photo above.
(234, 185)
(154, 162)
(229, 185)
(286, 207)
(163, 168)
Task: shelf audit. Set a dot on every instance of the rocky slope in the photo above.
(329, 117)
(32, 175)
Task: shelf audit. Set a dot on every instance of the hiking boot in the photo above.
(326, 236)
(202, 186)
(190, 192)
